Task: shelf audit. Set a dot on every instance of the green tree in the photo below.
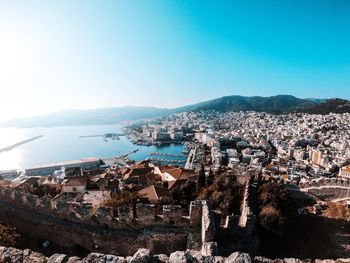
(201, 177)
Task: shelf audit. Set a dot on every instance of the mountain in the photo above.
(274, 104)
(316, 100)
(88, 117)
(331, 105)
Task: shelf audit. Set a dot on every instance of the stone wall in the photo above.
(73, 224)
(76, 224)
(327, 189)
(145, 215)
(238, 232)
(146, 256)
(335, 181)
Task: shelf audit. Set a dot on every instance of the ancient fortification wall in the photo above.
(341, 182)
(76, 224)
(238, 233)
(327, 189)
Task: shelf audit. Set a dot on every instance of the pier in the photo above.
(113, 136)
(167, 160)
(9, 148)
(190, 159)
(127, 154)
(166, 154)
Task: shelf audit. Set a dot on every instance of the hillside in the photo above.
(274, 104)
(332, 105)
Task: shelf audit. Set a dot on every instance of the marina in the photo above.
(54, 144)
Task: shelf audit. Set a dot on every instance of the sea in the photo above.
(65, 143)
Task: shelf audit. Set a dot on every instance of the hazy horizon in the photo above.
(61, 55)
(138, 106)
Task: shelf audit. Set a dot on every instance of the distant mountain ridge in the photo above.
(88, 117)
(274, 104)
(334, 105)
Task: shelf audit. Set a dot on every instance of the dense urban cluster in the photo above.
(295, 146)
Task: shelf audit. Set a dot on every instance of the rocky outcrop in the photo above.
(9, 255)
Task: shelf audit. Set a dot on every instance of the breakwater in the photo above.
(10, 147)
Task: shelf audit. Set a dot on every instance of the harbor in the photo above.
(52, 146)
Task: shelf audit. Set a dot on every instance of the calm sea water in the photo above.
(63, 143)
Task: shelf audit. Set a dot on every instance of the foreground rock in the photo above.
(9, 255)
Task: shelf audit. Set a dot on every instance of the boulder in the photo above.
(200, 258)
(238, 257)
(161, 258)
(11, 255)
(115, 259)
(142, 255)
(96, 258)
(219, 259)
(75, 260)
(30, 256)
(181, 257)
(58, 258)
(2, 251)
(260, 259)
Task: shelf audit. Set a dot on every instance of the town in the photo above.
(248, 178)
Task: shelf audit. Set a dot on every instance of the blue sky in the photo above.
(56, 55)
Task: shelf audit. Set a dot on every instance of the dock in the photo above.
(113, 136)
(166, 160)
(166, 154)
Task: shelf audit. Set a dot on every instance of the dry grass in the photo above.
(337, 211)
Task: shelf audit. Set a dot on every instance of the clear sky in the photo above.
(58, 54)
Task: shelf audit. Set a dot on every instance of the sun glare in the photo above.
(12, 55)
(10, 159)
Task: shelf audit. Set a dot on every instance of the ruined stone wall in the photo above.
(341, 182)
(145, 215)
(328, 189)
(247, 219)
(238, 232)
(75, 224)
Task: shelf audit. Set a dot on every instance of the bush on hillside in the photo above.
(8, 236)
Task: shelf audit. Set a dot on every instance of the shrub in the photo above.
(185, 193)
(273, 204)
(8, 236)
(272, 219)
(224, 192)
